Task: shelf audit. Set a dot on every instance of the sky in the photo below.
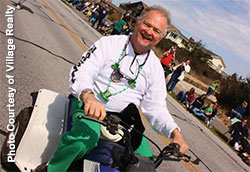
(223, 26)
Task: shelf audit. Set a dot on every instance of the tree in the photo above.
(113, 15)
(233, 91)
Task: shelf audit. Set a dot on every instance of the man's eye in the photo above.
(147, 24)
(158, 32)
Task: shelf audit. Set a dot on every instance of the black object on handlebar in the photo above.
(111, 123)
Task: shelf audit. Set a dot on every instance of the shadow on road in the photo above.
(3, 132)
(36, 45)
(222, 136)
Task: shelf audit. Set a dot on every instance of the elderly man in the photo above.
(114, 72)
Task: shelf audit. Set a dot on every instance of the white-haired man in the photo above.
(114, 72)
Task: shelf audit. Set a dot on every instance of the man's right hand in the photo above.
(92, 107)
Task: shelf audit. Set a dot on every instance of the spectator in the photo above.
(121, 25)
(75, 2)
(169, 69)
(239, 111)
(89, 15)
(20, 4)
(240, 135)
(211, 89)
(168, 56)
(214, 114)
(102, 14)
(92, 7)
(178, 75)
(198, 102)
(96, 8)
(93, 18)
(86, 4)
(206, 113)
(186, 97)
(87, 9)
(245, 154)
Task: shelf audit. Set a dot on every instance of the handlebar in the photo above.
(173, 149)
(111, 122)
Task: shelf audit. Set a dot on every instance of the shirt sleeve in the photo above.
(83, 74)
(154, 107)
(175, 67)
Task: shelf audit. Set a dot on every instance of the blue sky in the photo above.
(222, 25)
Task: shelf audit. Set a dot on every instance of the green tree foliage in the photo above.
(165, 44)
(113, 15)
(233, 91)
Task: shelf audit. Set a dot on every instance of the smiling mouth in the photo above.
(144, 35)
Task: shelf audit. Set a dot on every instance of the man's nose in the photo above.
(149, 30)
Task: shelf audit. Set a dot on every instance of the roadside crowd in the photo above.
(97, 12)
(196, 105)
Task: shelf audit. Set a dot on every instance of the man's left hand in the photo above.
(178, 138)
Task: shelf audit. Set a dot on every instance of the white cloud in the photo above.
(214, 25)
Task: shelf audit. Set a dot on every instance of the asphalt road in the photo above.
(49, 38)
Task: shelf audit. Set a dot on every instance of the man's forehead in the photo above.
(156, 13)
(156, 18)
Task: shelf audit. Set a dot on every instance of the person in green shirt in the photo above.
(204, 113)
(121, 25)
(215, 84)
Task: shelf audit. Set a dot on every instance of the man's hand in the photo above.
(92, 107)
(177, 138)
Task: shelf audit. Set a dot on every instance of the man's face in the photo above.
(149, 31)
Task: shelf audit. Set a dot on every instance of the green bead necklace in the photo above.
(117, 76)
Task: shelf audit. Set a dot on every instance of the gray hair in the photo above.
(164, 12)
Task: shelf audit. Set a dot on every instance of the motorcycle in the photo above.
(37, 131)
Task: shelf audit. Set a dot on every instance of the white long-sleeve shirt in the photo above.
(94, 71)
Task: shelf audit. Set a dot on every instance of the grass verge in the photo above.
(65, 2)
